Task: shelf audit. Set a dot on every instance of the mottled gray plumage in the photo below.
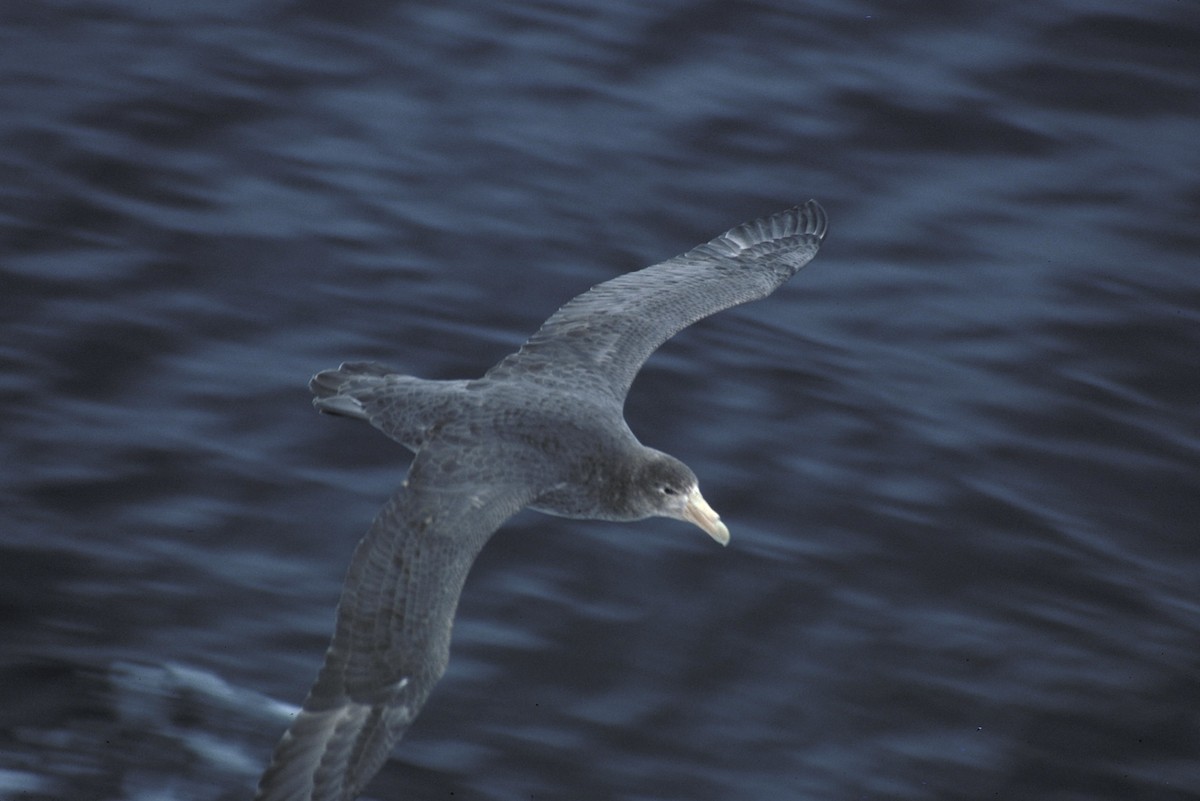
(544, 428)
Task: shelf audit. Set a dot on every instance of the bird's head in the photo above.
(663, 486)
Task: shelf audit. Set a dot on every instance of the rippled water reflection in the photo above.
(958, 453)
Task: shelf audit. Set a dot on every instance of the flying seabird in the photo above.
(544, 429)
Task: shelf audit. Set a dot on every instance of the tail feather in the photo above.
(401, 406)
(337, 391)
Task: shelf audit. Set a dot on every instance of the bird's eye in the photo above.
(668, 490)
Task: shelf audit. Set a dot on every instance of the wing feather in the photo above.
(392, 638)
(597, 342)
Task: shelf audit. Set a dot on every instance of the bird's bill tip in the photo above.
(699, 513)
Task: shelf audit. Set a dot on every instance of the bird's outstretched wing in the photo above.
(392, 638)
(597, 342)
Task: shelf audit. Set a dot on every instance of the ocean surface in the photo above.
(959, 453)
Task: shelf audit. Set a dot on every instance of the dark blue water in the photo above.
(959, 453)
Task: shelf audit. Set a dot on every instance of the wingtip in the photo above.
(808, 220)
(812, 219)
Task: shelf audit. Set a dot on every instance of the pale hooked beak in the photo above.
(700, 513)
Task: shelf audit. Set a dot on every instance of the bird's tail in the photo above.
(341, 391)
(401, 406)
